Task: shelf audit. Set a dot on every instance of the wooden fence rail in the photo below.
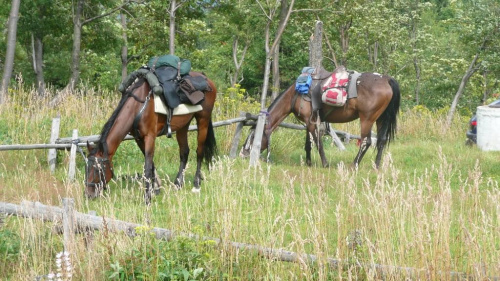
(76, 222)
(74, 142)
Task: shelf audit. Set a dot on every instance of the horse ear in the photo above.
(89, 147)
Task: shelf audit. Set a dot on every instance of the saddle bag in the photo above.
(182, 65)
(334, 88)
(192, 89)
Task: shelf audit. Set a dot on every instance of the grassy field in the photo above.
(432, 206)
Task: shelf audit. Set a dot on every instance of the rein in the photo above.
(139, 115)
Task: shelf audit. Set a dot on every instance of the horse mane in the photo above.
(101, 143)
(273, 103)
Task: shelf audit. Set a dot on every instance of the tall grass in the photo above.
(432, 206)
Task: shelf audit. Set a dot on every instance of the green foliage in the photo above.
(150, 259)
(10, 244)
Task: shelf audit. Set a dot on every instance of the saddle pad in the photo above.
(334, 88)
(179, 110)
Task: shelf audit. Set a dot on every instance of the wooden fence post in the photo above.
(68, 219)
(236, 138)
(54, 135)
(72, 157)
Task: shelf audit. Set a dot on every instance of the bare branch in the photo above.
(110, 11)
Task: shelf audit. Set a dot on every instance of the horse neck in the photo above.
(280, 108)
(123, 120)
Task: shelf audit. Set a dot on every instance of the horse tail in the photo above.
(210, 146)
(388, 118)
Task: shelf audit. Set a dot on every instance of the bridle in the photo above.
(100, 164)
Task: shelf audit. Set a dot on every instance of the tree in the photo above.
(479, 26)
(79, 22)
(270, 50)
(11, 47)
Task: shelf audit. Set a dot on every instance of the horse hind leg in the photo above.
(381, 141)
(182, 140)
(366, 141)
(203, 131)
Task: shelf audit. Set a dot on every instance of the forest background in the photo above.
(444, 53)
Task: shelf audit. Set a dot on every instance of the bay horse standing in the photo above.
(378, 101)
(135, 114)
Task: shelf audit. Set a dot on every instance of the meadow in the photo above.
(432, 206)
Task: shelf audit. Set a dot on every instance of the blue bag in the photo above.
(304, 81)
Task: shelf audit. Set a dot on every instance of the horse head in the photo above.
(247, 146)
(98, 171)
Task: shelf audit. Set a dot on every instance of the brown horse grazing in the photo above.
(378, 101)
(135, 114)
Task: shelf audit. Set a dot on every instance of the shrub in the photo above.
(179, 259)
(9, 249)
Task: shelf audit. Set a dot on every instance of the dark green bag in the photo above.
(171, 60)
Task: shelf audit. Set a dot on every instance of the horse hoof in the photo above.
(196, 190)
(157, 191)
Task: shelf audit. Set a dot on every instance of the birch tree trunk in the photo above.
(238, 63)
(77, 43)
(11, 49)
(171, 41)
(38, 64)
(470, 71)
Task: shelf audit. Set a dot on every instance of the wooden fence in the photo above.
(73, 142)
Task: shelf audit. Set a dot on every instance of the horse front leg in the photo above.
(182, 140)
(313, 132)
(149, 168)
(157, 181)
(307, 148)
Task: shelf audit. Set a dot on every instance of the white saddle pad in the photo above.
(180, 110)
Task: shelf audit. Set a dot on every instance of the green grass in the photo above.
(432, 205)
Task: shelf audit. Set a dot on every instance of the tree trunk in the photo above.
(77, 43)
(415, 59)
(344, 41)
(38, 64)
(316, 47)
(124, 54)
(470, 71)
(171, 42)
(417, 77)
(11, 49)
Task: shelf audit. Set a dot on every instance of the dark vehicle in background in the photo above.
(472, 132)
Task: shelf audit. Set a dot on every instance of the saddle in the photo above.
(173, 85)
